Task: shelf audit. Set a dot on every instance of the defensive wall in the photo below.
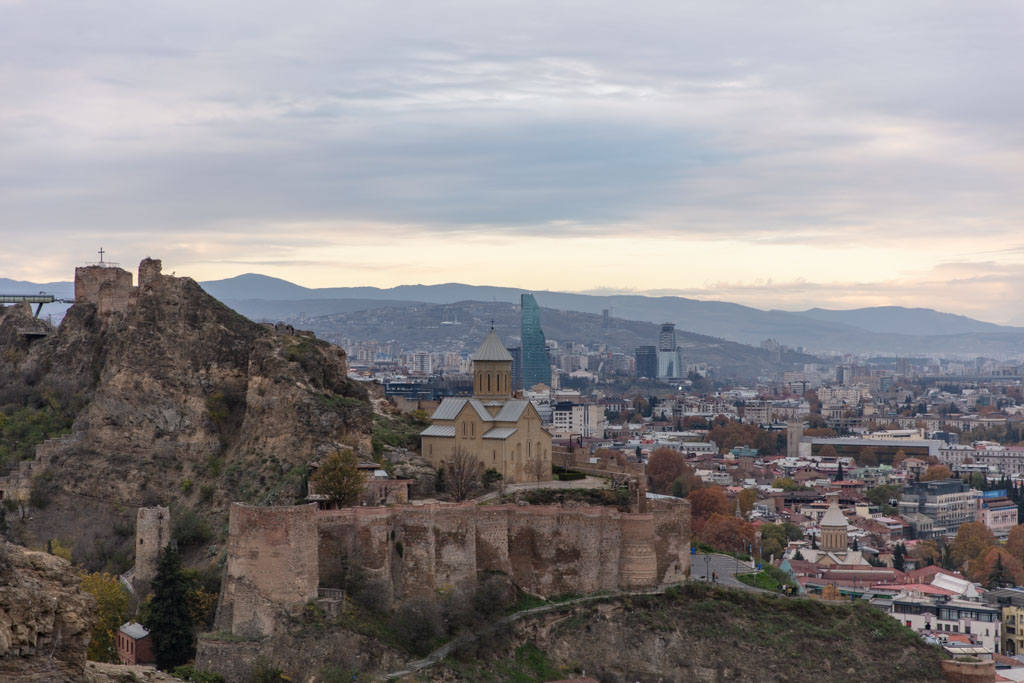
(278, 557)
(152, 534)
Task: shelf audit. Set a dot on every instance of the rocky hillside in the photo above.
(696, 633)
(174, 398)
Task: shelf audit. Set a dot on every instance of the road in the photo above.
(702, 566)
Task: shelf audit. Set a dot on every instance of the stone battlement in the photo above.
(277, 557)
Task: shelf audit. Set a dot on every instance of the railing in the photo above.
(330, 593)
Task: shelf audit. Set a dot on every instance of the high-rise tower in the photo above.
(536, 366)
(667, 340)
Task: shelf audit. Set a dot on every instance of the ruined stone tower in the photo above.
(152, 534)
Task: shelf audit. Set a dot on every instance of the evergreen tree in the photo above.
(999, 577)
(169, 620)
(898, 555)
(839, 472)
(798, 556)
(855, 546)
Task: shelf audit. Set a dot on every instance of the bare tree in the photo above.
(463, 474)
(536, 468)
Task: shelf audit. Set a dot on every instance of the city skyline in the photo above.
(783, 157)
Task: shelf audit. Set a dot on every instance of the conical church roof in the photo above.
(834, 516)
(492, 349)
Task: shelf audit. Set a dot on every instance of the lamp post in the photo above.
(707, 567)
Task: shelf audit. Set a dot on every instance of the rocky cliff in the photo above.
(174, 396)
(45, 618)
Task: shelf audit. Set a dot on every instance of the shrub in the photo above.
(419, 623)
(187, 672)
(188, 527)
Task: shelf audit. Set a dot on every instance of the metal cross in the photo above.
(101, 254)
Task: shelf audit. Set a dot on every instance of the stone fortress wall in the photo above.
(277, 557)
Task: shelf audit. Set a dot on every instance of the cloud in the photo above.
(254, 134)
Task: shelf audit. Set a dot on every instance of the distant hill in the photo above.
(883, 330)
(887, 330)
(900, 320)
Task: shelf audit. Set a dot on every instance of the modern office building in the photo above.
(517, 368)
(647, 362)
(536, 365)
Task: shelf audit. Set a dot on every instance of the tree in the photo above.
(1015, 543)
(113, 608)
(725, 532)
(798, 556)
(746, 499)
(169, 620)
(868, 457)
(926, 553)
(462, 475)
(998, 577)
(881, 495)
(828, 451)
(937, 473)
(898, 459)
(899, 554)
(664, 467)
(787, 484)
(707, 502)
(537, 468)
(855, 545)
(972, 539)
(339, 479)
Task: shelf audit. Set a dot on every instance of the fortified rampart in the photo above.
(277, 557)
(271, 566)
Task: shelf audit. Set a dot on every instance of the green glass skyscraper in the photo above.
(536, 366)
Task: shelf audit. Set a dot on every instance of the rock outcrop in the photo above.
(45, 618)
(176, 396)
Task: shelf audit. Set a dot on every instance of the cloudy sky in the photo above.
(782, 155)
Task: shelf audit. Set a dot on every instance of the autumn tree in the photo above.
(867, 457)
(663, 467)
(828, 451)
(725, 532)
(937, 473)
(463, 474)
(747, 498)
(339, 479)
(898, 459)
(1015, 543)
(972, 539)
(706, 502)
(113, 608)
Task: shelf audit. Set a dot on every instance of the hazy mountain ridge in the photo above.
(882, 329)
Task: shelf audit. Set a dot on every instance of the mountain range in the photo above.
(882, 330)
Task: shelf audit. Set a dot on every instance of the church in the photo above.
(502, 432)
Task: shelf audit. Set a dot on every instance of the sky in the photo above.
(780, 155)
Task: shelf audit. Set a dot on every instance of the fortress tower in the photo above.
(152, 534)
